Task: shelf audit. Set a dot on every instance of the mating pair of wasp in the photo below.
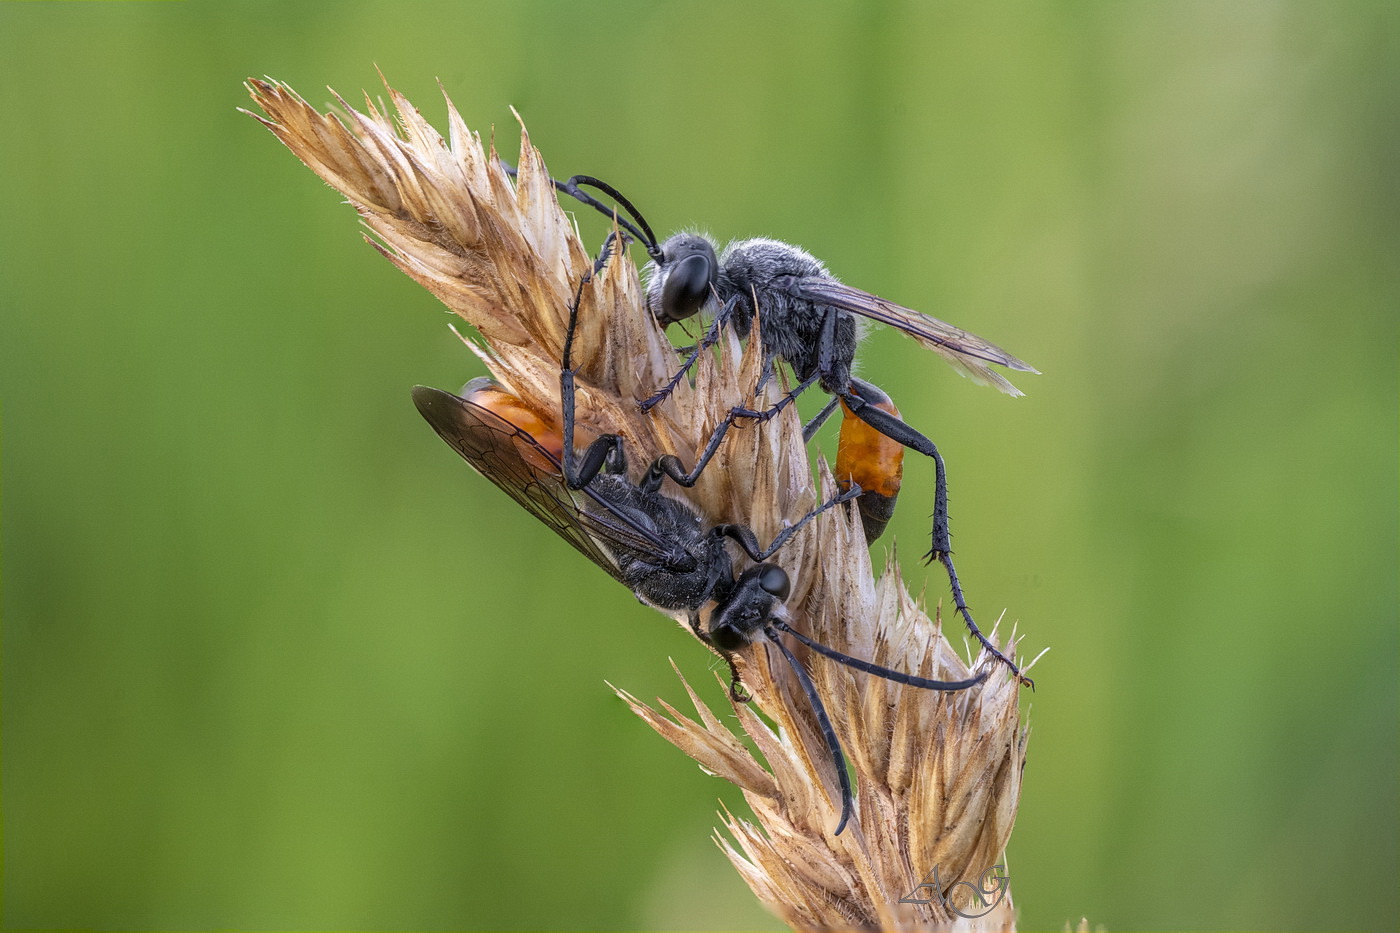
(658, 545)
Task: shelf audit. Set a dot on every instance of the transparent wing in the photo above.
(969, 354)
(527, 472)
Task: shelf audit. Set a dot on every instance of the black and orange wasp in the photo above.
(655, 544)
(809, 319)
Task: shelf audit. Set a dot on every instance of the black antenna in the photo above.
(640, 230)
(898, 677)
(833, 743)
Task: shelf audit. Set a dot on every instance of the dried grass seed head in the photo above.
(938, 773)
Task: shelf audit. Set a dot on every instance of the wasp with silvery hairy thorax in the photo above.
(809, 320)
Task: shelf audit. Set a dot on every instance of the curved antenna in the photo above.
(833, 744)
(898, 677)
(641, 230)
(571, 188)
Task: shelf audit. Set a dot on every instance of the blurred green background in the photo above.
(275, 659)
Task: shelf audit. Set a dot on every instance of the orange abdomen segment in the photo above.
(873, 461)
(489, 394)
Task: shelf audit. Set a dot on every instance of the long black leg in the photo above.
(825, 361)
(810, 429)
(580, 471)
(788, 398)
(670, 465)
(946, 559)
(710, 338)
(749, 542)
(663, 393)
(737, 691)
(895, 429)
(833, 744)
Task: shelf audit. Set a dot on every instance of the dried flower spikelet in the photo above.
(938, 774)
(500, 254)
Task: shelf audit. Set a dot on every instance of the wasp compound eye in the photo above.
(687, 286)
(774, 581)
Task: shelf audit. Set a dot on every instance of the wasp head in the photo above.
(758, 593)
(683, 279)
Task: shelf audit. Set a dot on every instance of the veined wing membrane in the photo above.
(521, 467)
(968, 353)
